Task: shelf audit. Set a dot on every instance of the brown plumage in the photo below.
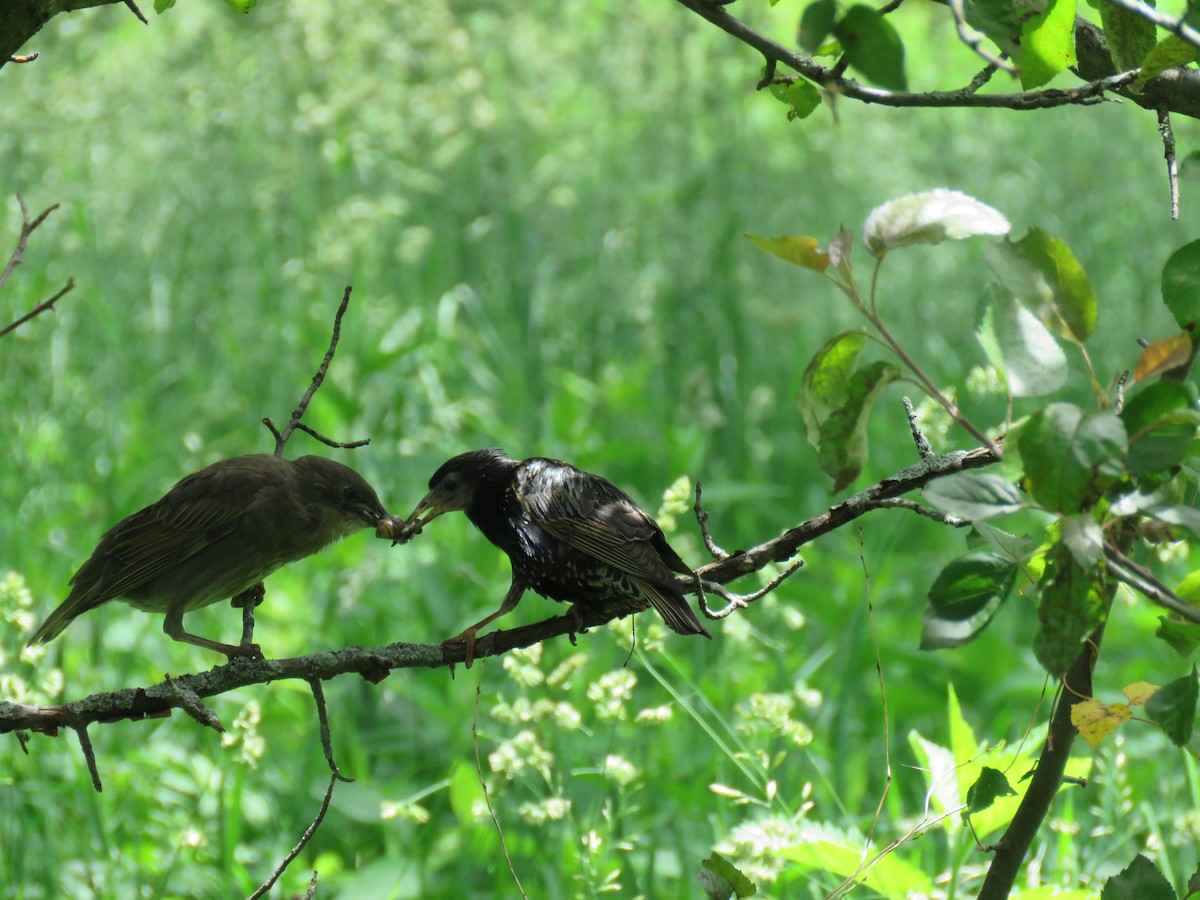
(215, 534)
(570, 535)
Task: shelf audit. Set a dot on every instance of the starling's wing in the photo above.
(594, 516)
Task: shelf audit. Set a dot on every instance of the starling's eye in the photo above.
(450, 482)
(350, 495)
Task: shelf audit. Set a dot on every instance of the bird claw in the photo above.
(467, 638)
(238, 651)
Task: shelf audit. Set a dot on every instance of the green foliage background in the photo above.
(541, 210)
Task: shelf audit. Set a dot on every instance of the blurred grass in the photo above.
(541, 212)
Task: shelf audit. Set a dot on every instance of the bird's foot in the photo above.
(236, 651)
(468, 638)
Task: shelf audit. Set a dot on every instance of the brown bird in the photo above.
(215, 534)
(570, 535)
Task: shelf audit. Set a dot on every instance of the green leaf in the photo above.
(1168, 53)
(1047, 44)
(1034, 364)
(1184, 516)
(974, 495)
(1173, 706)
(1161, 423)
(1181, 636)
(241, 6)
(1130, 36)
(801, 98)
(929, 218)
(1069, 608)
(987, 789)
(843, 437)
(722, 879)
(1070, 457)
(1140, 880)
(872, 46)
(964, 598)
(796, 249)
(1181, 285)
(161, 6)
(1001, 20)
(827, 381)
(1009, 546)
(1083, 537)
(1046, 278)
(815, 24)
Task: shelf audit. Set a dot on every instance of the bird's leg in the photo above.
(173, 626)
(511, 599)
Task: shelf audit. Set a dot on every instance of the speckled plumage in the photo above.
(570, 535)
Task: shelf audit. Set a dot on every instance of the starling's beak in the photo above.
(401, 531)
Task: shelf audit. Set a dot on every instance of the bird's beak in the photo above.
(402, 531)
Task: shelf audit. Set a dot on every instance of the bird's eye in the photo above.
(350, 495)
(450, 482)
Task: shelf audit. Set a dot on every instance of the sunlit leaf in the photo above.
(929, 218)
(721, 879)
(827, 380)
(1083, 537)
(1181, 284)
(1047, 44)
(1139, 692)
(241, 6)
(872, 46)
(796, 249)
(974, 495)
(1070, 456)
(1096, 721)
(1045, 277)
(1034, 363)
(1010, 546)
(1173, 707)
(801, 98)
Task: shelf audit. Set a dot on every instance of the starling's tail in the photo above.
(674, 609)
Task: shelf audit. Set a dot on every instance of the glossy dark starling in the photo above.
(570, 535)
(215, 534)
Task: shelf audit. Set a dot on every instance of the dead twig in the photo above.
(295, 851)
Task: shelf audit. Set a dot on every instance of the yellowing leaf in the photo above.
(802, 251)
(1138, 692)
(1096, 720)
(1162, 356)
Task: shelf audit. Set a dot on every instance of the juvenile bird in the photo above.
(215, 534)
(570, 535)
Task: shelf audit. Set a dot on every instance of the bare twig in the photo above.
(927, 511)
(318, 693)
(137, 12)
(295, 851)
(923, 449)
(1168, 139)
(487, 798)
(281, 437)
(89, 755)
(1141, 580)
(1123, 380)
(975, 41)
(1177, 27)
(702, 520)
(190, 703)
(39, 309)
(738, 601)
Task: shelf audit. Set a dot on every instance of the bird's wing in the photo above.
(193, 514)
(594, 516)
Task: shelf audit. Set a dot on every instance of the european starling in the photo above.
(570, 535)
(215, 534)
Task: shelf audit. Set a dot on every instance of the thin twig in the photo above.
(189, 702)
(738, 601)
(927, 511)
(1120, 401)
(974, 40)
(1177, 27)
(1141, 580)
(304, 839)
(702, 520)
(318, 693)
(1168, 139)
(27, 228)
(486, 798)
(341, 445)
(39, 309)
(281, 438)
(89, 755)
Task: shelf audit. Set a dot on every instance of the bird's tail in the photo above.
(675, 610)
